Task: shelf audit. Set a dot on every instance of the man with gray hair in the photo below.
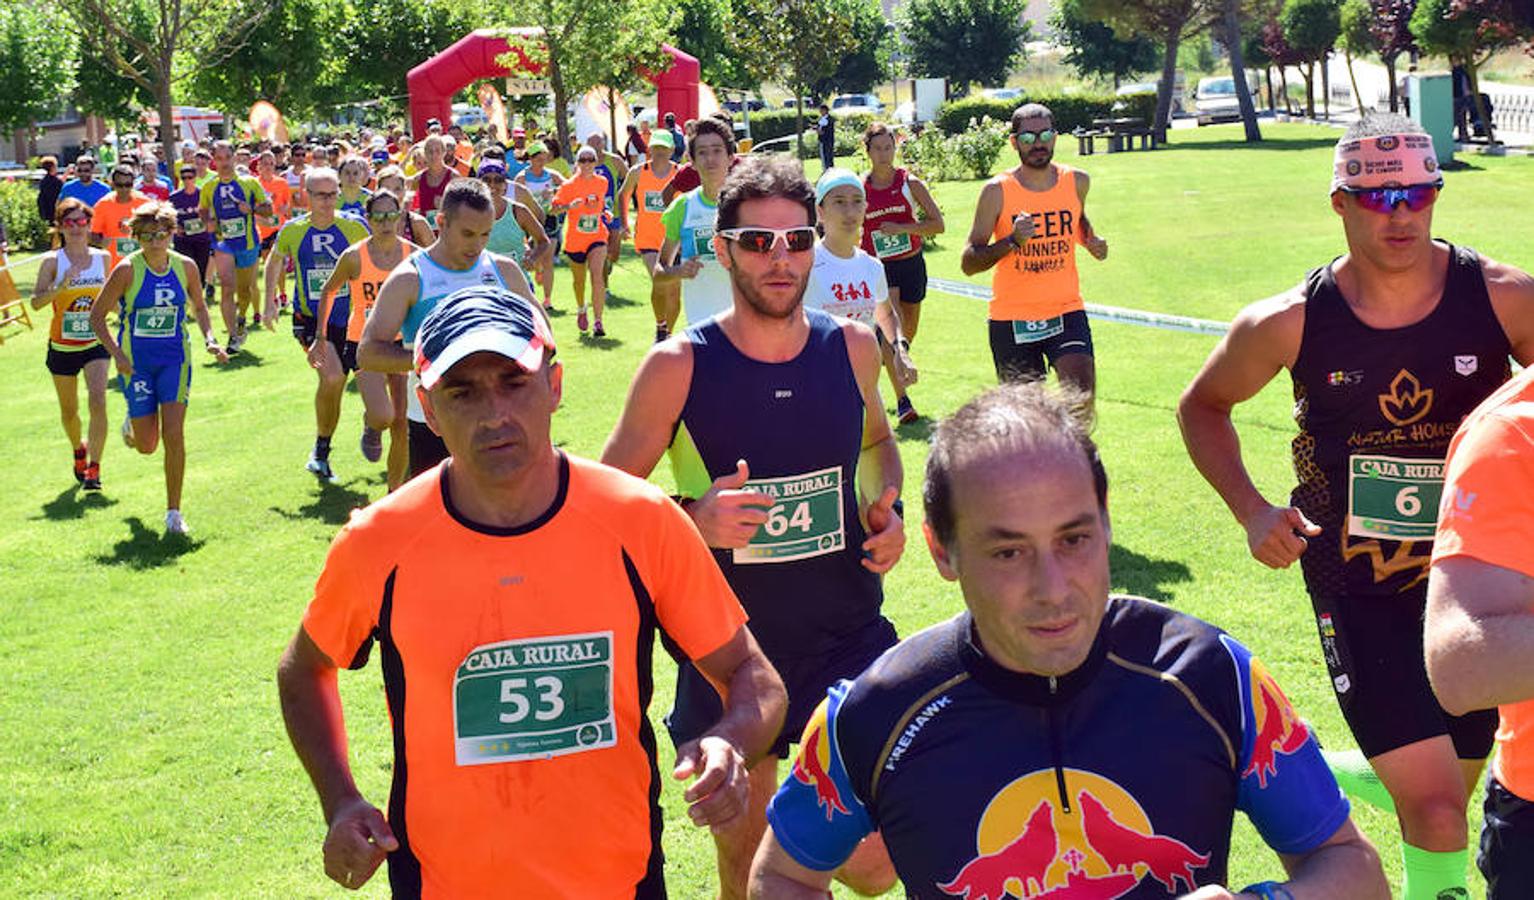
(989, 751)
(1027, 224)
(1388, 348)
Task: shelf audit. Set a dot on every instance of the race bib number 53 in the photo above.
(805, 519)
(534, 698)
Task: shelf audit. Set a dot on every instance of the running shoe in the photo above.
(372, 444)
(906, 411)
(597, 330)
(320, 468)
(127, 431)
(580, 319)
(174, 524)
(92, 479)
(661, 333)
(236, 341)
(80, 465)
(257, 320)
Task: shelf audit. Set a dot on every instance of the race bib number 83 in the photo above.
(805, 519)
(534, 698)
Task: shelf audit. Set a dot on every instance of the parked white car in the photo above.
(1215, 100)
(855, 104)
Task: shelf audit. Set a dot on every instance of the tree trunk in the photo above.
(1358, 97)
(1309, 74)
(1267, 74)
(561, 117)
(612, 121)
(1472, 70)
(168, 136)
(1283, 85)
(1164, 90)
(1390, 72)
(1238, 72)
(1326, 85)
(799, 98)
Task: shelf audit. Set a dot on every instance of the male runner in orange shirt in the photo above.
(1479, 634)
(515, 592)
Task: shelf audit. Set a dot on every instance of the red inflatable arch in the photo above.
(433, 83)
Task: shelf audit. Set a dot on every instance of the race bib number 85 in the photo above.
(805, 519)
(534, 698)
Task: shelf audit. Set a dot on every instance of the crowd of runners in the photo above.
(986, 757)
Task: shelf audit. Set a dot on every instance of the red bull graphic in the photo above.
(1032, 847)
(810, 767)
(1279, 730)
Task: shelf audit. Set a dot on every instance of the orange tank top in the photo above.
(649, 233)
(1038, 280)
(365, 287)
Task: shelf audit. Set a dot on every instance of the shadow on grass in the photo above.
(1145, 577)
(71, 503)
(606, 342)
(245, 359)
(1266, 144)
(919, 431)
(146, 548)
(619, 301)
(333, 504)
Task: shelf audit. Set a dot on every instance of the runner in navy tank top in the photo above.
(784, 458)
(1388, 348)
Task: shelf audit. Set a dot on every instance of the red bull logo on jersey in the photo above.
(1099, 845)
(1278, 728)
(812, 766)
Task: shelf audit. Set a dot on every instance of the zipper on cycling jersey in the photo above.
(1055, 751)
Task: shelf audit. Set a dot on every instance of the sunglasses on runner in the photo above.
(189, 173)
(1036, 137)
(76, 221)
(763, 240)
(147, 236)
(492, 179)
(119, 183)
(1417, 197)
(391, 216)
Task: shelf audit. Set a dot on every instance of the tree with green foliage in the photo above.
(1169, 22)
(1468, 32)
(1094, 49)
(868, 63)
(380, 41)
(36, 66)
(966, 41)
(185, 36)
(1230, 28)
(1391, 27)
(703, 29)
(584, 44)
(99, 89)
(285, 67)
(796, 43)
(1356, 37)
(1310, 28)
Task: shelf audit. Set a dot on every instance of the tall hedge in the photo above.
(1071, 111)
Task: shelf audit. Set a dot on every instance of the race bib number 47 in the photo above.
(534, 698)
(1393, 498)
(805, 519)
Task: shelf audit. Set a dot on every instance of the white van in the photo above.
(1215, 99)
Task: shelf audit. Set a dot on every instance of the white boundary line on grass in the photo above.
(12, 264)
(1117, 314)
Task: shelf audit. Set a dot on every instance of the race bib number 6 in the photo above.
(1393, 498)
(805, 519)
(534, 698)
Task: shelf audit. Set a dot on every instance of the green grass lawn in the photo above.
(144, 752)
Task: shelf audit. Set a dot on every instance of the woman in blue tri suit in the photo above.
(151, 289)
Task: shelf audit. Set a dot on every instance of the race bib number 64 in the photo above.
(805, 519)
(534, 698)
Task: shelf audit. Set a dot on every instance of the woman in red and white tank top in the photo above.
(892, 231)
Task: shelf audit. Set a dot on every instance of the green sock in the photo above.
(1434, 876)
(1357, 778)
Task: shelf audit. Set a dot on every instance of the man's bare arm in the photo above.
(1480, 623)
(376, 352)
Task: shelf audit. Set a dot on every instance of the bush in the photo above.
(779, 123)
(972, 153)
(1071, 111)
(18, 206)
(1141, 106)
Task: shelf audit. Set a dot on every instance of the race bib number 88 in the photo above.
(1393, 498)
(805, 519)
(534, 698)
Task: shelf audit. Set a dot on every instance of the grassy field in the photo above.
(144, 753)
